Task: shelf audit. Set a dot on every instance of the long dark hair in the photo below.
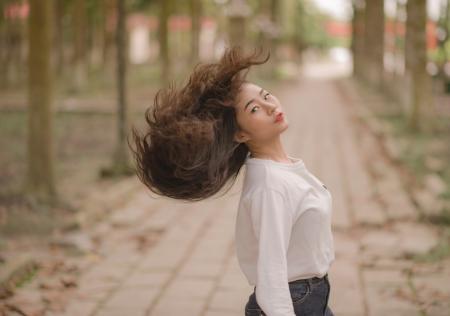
(188, 151)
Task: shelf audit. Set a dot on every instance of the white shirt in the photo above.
(283, 230)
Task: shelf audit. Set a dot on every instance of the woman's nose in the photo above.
(270, 107)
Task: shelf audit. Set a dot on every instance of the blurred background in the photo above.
(75, 75)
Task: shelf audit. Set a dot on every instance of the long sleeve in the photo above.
(272, 222)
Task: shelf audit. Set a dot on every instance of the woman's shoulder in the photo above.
(264, 179)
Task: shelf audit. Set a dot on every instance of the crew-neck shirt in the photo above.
(283, 230)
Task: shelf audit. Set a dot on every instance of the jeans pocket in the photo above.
(299, 292)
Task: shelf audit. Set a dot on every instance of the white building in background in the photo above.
(208, 35)
(342, 9)
(139, 44)
(139, 47)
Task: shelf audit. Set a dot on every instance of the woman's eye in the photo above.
(266, 95)
(254, 108)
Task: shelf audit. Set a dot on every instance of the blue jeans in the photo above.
(309, 298)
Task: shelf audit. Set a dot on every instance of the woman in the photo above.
(198, 139)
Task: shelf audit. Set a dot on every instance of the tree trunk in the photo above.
(108, 47)
(374, 45)
(444, 52)
(238, 12)
(196, 16)
(163, 37)
(299, 29)
(79, 53)
(2, 47)
(121, 154)
(358, 37)
(59, 37)
(418, 82)
(275, 18)
(446, 27)
(399, 55)
(94, 33)
(40, 176)
(237, 31)
(275, 10)
(14, 31)
(265, 36)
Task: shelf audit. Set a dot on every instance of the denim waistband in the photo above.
(312, 280)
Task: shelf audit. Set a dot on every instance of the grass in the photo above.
(418, 146)
(102, 82)
(31, 273)
(437, 253)
(84, 143)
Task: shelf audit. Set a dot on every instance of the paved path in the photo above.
(162, 257)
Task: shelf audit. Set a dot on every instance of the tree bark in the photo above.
(163, 37)
(374, 42)
(237, 13)
(108, 47)
(275, 18)
(40, 175)
(121, 154)
(419, 103)
(196, 15)
(59, 13)
(399, 51)
(2, 47)
(12, 49)
(358, 37)
(275, 10)
(79, 53)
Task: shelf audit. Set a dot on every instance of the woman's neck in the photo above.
(275, 156)
(273, 151)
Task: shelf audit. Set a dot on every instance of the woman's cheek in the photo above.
(253, 125)
(261, 126)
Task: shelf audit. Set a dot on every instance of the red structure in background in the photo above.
(399, 28)
(16, 11)
(334, 28)
(338, 29)
(176, 22)
(344, 29)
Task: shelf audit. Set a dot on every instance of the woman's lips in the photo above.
(279, 117)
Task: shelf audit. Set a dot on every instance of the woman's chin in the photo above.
(284, 126)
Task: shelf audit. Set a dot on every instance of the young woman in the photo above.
(198, 139)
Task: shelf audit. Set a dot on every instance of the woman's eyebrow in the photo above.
(260, 92)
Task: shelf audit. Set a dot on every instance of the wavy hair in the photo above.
(188, 151)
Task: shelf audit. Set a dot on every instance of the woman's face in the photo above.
(256, 112)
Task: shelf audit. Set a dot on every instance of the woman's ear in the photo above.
(240, 137)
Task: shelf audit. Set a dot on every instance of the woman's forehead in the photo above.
(248, 90)
(249, 87)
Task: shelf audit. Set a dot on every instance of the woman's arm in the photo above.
(272, 221)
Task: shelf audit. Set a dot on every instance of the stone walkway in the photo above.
(162, 257)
